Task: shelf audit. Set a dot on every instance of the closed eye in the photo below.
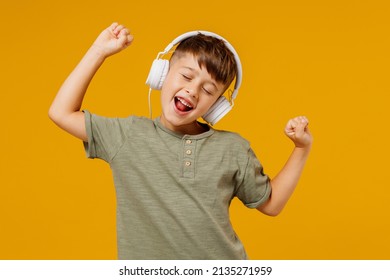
(186, 77)
(206, 91)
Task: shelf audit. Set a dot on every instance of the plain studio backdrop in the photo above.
(328, 60)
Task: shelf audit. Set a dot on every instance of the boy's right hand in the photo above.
(113, 39)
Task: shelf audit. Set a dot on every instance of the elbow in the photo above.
(269, 210)
(53, 115)
(273, 213)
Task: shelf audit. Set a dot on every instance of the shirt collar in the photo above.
(205, 134)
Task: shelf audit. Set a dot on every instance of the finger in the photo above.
(125, 40)
(118, 29)
(300, 129)
(300, 120)
(130, 39)
(291, 126)
(124, 31)
(303, 119)
(113, 26)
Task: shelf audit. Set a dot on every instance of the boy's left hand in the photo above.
(298, 131)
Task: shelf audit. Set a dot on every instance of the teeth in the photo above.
(182, 101)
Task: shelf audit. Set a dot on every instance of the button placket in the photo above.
(188, 158)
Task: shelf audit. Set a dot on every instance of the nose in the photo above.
(192, 91)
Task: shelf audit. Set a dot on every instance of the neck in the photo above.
(190, 129)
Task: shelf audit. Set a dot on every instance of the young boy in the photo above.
(174, 176)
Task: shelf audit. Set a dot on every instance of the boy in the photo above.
(174, 176)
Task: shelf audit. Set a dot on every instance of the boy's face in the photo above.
(187, 93)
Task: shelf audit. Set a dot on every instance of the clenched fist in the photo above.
(113, 39)
(298, 131)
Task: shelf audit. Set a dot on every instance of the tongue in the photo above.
(181, 107)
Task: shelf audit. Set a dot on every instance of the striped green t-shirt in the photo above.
(173, 191)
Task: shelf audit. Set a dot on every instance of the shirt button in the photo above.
(188, 141)
(188, 163)
(188, 152)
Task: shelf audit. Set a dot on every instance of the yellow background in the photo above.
(328, 60)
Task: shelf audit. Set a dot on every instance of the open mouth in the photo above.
(182, 105)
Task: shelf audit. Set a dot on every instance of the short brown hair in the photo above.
(212, 53)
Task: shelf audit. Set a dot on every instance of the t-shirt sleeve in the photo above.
(105, 136)
(255, 187)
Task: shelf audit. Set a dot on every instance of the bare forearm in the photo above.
(71, 94)
(285, 182)
(65, 109)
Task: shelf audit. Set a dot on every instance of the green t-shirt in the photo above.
(173, 191)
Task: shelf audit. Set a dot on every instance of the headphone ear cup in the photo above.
(157, 73)
(216, 112)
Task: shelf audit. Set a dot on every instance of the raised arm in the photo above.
(65, 109)
(284, 183)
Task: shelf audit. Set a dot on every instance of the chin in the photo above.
(177, 121)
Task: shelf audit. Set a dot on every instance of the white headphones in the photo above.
(160, 67)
